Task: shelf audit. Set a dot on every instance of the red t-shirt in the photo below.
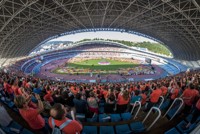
(144, 98)
(189, 95)
(73, 127)
(17, 90)
(154, 97)
(121, 100)
(8, 88)
(48, 97)
(174, 93)
(33, 118)
(164, 90)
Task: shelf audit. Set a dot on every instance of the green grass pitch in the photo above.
(93, 65)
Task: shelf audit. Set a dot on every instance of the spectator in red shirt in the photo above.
(58, 115)
(8, 89)
(32, 116)
(122, 101)
(144, 97)
(164, 89)
(154, 97)
(195, 115)
(188, 96)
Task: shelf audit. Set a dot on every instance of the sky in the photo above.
(103, 35)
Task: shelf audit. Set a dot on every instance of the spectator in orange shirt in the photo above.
(195, 115)
(154, 97)
(188, 96)
(8, 89)
(164, 90)
(122, 101)
(58, 115)
(144, 97)
(31, 115)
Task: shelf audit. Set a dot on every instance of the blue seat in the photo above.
(10, 104)
(101, 104)
(26, 131)
(104, 118)
(101, 110)
(126, 116)
(89, 130)
(123, 129)
(115, 117)
(184, 123)
(189, 118)
(107, 130)
(80, 116)
(16, 110)
(15, 125)
(12, 128)
(171, 112)
(172, 131)
(137, 127)
(165, 105)
(93, 119)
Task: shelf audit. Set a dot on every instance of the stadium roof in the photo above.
(26, 23)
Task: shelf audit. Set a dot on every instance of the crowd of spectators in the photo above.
(36, 98)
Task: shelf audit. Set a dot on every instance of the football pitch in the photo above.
(95, 64)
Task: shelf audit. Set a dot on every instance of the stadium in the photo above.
(99, 86)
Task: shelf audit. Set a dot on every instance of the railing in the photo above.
(137, 103)
(162, 100)
(159, 114)
(181, 104)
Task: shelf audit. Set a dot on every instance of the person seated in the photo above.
(32, 116)
(58, 116)
(136, 97)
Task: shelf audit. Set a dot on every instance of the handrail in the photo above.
(162, 100)
(134, 105)
(172, 106)
(159, 114)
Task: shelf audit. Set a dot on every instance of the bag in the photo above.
(58, 130)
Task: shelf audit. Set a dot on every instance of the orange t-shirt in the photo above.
(105, 93)
(17, 90)
(154, 97)
(33, 118)
(73, 127)
(144, 98)
(8, 88)
(189, 95)
(48, 97)
(121, 100)
(164, 90)
(174, 93)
